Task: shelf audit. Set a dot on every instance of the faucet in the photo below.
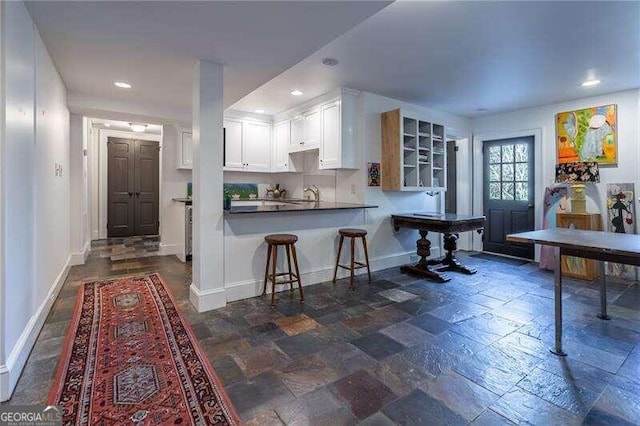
(316, 192)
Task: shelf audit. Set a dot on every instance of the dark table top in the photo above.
(447, 223)
(609, 243)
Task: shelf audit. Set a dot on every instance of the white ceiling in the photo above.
(463, 56)
(154, 45)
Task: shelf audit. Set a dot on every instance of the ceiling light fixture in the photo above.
(259, 111)
(122, 84)
(330, 62)
(107, 125)
(296, 92)
(138, 127)
(590, 83)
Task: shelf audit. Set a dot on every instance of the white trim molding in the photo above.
(81, 257)
(173, 249)
(208, 300)
(16, 360)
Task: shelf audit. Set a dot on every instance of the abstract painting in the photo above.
(589, 134)
(373, 173)
(555, 201)
(621, 219)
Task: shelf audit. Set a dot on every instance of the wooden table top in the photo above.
(587, 241)
(445, 223)
(447, 218)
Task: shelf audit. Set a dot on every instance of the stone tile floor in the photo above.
(399, 350)
(127, 247)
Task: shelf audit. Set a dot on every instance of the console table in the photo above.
(600, 246)
(448, 224)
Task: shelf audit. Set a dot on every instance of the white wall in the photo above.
(79, 190)
(543, 119)
(383, 240)
(174, 185)
(36, 201)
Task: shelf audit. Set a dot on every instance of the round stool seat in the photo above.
(352, 232)
(281, 238)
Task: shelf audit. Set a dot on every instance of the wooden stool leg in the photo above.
(366, 255)
(273, 276)
(266, 270)
(353, 258)
(335, 273)
(288, 246)
(295, 262)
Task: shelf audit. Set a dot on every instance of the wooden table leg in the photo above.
(450, 262)
(422, 267)
(603, 293)
(558, 302)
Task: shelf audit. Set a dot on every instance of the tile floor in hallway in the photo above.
(400, 349)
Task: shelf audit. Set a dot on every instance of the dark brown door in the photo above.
(508, 194)
(133, 176)
(146, 178)
(120, 187)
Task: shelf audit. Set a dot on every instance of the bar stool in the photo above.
(353, 234)
(274, 241)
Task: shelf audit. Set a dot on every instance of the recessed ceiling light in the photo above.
(122, 84)
(138, 127)
(330, 62)
(296, 92)
(259, 111)
(590, 83)
(107, 125)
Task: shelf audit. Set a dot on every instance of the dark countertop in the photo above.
(297, 207)
(187, 201)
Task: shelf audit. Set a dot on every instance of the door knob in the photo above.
(530, 205)
(130, 194)
(137, 194)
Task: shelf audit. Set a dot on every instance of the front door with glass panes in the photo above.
(508, 194)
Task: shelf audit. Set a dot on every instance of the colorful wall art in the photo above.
(373, 173)
(621, 218)
(589, 134)
(555, 201)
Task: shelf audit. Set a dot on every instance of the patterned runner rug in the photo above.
(130, 357)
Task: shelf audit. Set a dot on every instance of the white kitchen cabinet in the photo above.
(185, 149)
(281, 142)
(330, 144)
(233, 145)
(306, 131)
(256, 149)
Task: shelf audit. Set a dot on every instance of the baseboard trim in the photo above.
(10, 373)
(207, 300)
(173, 249)
(80, 258)
(251, 288)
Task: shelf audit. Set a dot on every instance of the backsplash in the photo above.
(244, 190)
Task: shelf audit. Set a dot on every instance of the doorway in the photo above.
(132, 187)
(508, 194)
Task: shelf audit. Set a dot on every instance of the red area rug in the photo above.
(130, 357)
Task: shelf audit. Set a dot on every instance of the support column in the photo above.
(207, 289)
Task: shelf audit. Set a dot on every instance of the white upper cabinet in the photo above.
(330, 146)
(257, 146)
(281, 142)
(306, 131)
(185, 149)
(233, 145)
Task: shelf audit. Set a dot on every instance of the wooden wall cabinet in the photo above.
(577, 267)
(414, 154)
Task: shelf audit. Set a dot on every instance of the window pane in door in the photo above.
(507, 172)
(522, 192)
(494, 172)
(507, 190)
(507, 153)
(522, 172)
(494, 190)
(522, 154)
(494, 154)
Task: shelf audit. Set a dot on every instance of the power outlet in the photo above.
(353, 189)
